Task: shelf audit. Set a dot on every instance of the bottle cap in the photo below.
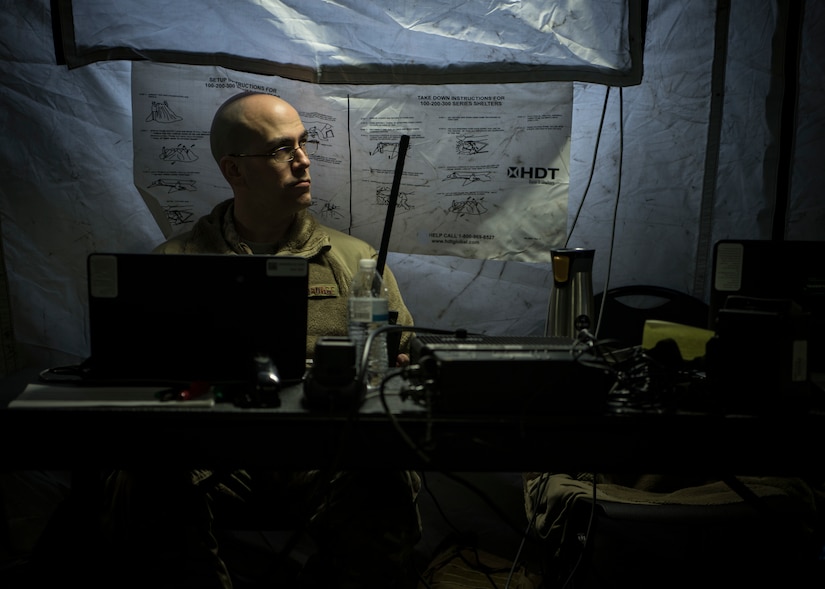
(367, 263)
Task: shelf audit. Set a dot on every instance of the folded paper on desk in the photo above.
(690, 340)
(39, 396)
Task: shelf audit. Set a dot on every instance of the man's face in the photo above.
(282, 187)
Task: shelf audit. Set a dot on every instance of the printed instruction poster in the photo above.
(485, 175)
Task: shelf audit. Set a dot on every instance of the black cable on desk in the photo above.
(363, 362)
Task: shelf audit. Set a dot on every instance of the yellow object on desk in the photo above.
(691, 340)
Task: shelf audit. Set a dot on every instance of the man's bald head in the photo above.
(234, 125)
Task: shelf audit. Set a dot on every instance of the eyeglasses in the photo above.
(284, 154)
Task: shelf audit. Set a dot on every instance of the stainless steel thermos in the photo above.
(571, 297)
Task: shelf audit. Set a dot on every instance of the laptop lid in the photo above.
(172, 318)
(768, 269)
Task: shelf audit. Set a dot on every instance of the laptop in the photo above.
(767, 269)
(180, 318)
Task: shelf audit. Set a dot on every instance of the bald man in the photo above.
(261, 147)
(168, 528)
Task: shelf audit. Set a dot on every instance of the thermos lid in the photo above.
(570, 261)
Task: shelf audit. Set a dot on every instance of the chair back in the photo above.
(626, 308)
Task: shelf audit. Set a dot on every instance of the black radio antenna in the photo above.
(396, 185)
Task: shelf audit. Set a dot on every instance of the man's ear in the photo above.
(230, 170)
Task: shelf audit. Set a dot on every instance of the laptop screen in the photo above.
(172, 318)
(767, 269)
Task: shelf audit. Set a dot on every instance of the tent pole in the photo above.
(785, 67)
(704, 237)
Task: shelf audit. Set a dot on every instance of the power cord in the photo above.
(587, 538)
(470, 539)
(363, 362)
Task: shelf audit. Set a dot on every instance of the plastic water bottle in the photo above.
(369, 310)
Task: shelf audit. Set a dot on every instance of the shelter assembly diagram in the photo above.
(161, 113)
(479, 158)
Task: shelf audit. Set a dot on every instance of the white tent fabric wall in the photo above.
(67, 189)
(368, 41)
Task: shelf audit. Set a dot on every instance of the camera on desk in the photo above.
(758, 359)
(331, 382)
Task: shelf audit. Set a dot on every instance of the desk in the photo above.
(290, 437)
